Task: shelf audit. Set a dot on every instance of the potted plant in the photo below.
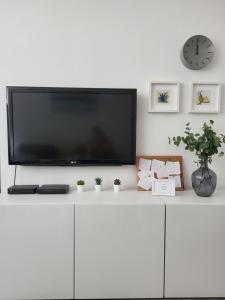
(204, 145)
(80, 185)
(98, 184)
(117, 184)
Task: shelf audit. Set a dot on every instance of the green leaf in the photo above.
(205, 144)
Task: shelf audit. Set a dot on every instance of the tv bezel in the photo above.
(52, 162)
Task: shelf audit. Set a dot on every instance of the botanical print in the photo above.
(162, 96)
(203, 97)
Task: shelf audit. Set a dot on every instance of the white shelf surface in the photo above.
(187, 197)
(88, 197)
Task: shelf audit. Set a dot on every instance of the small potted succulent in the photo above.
(98, 184)
(80, 185)
(117, 184)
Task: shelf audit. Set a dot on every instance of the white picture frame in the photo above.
(164, 96)
(163, 187)
(205, 97)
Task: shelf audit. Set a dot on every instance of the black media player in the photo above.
(23, 189)
(53, 189)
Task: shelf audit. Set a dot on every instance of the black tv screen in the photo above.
(71, 126)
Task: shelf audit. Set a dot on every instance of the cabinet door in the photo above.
(119, 251)
(36, 251)
(195, 251)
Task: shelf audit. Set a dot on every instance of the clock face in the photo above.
(197, 52)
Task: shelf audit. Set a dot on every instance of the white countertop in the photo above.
(188, 197)
(87, 197)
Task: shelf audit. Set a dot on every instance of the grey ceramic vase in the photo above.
(204, 180)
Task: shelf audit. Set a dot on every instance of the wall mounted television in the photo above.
(71, 126)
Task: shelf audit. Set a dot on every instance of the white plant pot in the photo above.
(98, 187)
(80, 188)
(116, 187)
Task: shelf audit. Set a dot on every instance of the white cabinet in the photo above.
(36, 251)
(113, 248)
(119, 250)
(195, 249)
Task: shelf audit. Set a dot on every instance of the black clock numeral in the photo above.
(210, 52)
(208, 46)
(207, 58)
(203, 62)
(203, 41)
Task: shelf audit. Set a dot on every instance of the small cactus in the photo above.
(80, 182)
(98, 181)
(117, 181)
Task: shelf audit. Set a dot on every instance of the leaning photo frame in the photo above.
(163, 187)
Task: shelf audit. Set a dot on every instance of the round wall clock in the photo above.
(197, 52)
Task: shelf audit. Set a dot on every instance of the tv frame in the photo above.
(40, 162)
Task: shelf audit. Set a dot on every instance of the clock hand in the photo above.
(196, 52)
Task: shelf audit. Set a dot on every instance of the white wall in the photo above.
(111, 43)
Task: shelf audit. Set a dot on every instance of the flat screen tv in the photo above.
(71, 126)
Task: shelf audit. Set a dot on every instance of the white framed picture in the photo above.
(163, 187)
(205, 97)
(164, 96)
